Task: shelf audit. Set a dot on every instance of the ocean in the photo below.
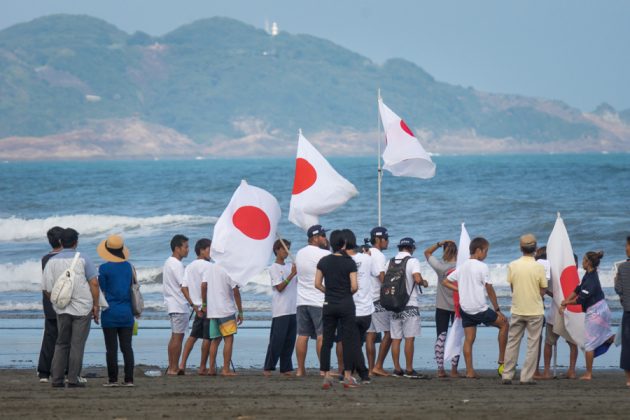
(498, 197)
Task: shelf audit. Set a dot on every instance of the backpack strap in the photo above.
(74, 261)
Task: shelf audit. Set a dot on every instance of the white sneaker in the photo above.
(81, 380)
(43, 380)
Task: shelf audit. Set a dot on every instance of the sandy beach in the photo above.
(252, 396)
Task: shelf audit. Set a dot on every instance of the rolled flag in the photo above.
(403, 154)
(564, 276)
(317, 188)
(455, 336)
(243, 237)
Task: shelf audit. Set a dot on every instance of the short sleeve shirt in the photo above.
(193, 276)
(220, 296)
(363, 297)
(413, 266)
(471, 278)
(172, 278)
(306, 261)
(336, 270)
(284, 302)
(527, 277)
(379, 265)
(443, 295)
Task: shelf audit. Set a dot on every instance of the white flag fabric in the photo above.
(455, 336)
(403, 154)
(565, 278)
(317, 188)
(243, 237)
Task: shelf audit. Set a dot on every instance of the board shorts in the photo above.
(179, 322)
(309, 321)
(381, 319)
(200, 328)
(223, 327)
(487, 317)
(406, 323)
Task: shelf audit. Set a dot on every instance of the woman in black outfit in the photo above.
(339, 272)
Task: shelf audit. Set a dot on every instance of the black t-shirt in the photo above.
(589, 292)
(49, 311)
(336, 270)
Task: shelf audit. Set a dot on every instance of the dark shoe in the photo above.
(76, 384)
(58, 385)
(398, 374)
(340, 377)
(529, 383)
(506, 382)
(128, 384)
(366, 381)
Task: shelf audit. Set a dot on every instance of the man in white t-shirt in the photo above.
(364, 306)
(222, 300)
(473, 282)
(191, 288)
(176, 304)
(310, 301)
(381, 318)
(406, 323)
(283, 309)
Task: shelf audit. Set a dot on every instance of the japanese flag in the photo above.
(317, 188)
(403, 155)
(244, 234)
(565, 278)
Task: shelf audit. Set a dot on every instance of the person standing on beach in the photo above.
(191, 288)
(73, 321)
(597, 334)
(406, 323)
(283, 309)
(473, 279)
(310, 301)
(115, 278)
(381, 318)
(222, 300)
(527, 280)
(176, 304)
(444, 304)
(622, 287)
(50, 316)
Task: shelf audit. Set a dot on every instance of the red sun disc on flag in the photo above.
(569, 279)
(252, 221)
(405, 128)
(305, 176)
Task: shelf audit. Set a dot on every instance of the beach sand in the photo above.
(252, 396)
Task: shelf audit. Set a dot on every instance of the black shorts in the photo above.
(200, 328)
(486, 317)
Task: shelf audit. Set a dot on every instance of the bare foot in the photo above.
(455, 374)
(471, 374)
(441, 373)
(267, 373)
(288, 374)
(379, 372)
(172, 373)
(628, 384)
(228, 373)
(571, 374)
(586, 377)
(301, 373)
(202, 372)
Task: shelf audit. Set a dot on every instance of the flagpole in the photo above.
(284, 245)
(379, 171)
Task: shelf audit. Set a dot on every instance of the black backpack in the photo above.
(394, 294)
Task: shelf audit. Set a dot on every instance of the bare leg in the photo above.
(548, 352)
(370, 349)
(627, 377)
(396, 354)
(383, 349)
(573, 355)
(319, 342)
(228, 343)
(470, 333)
(589, 356)
(214, 349)
(339, 351)
(205, 349)
(301, 346)
(409, 348)
(537, 374)
(174, 351)
(502, 337)
(190, 343)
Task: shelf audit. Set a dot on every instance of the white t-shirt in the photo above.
(363, 297)
(471, 279)
(413, 266)
(220, 296)
(306, 264)
(193, 276)
(282, 303)
(550, 312)
(379, 265)
(172, 277)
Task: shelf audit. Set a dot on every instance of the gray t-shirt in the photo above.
(443, 295)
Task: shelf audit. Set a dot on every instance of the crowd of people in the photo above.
(332, 292)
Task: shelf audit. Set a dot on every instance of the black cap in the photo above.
(315, 230)
(379, 232)
(407, 243)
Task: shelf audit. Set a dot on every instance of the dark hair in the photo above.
(278, 244)
(594, 257)
(541, 253)
(54, 236)
(202, 244)
(528, 249)
(69, 238)
(177, 241)
(450, 251)
(343, 239)
(628, 240)
(478, 243)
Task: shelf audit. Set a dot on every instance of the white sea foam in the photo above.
(18, 229)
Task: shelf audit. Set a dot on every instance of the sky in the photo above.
(576, 51)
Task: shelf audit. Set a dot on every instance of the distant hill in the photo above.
(226, 88)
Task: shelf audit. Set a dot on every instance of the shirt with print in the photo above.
(220, 296)
(413, 266)
(193, 276)
(284, 302)
(552, 309)
(443, 295)
(306, 261)
(336, 270)
(172, 278)
(49, 311)
(363, 297)
(81, 302)
(527, 277)
(471, 278)
(379, 265)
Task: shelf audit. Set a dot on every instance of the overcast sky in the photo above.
(577, 51)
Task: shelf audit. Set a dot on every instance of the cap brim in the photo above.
(102, 252)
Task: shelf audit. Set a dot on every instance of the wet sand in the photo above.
(252, 396)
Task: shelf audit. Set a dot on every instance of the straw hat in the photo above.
(111, 246)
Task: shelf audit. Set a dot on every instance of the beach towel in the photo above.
(597, 326)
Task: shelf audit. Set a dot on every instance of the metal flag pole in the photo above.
(380, 170)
